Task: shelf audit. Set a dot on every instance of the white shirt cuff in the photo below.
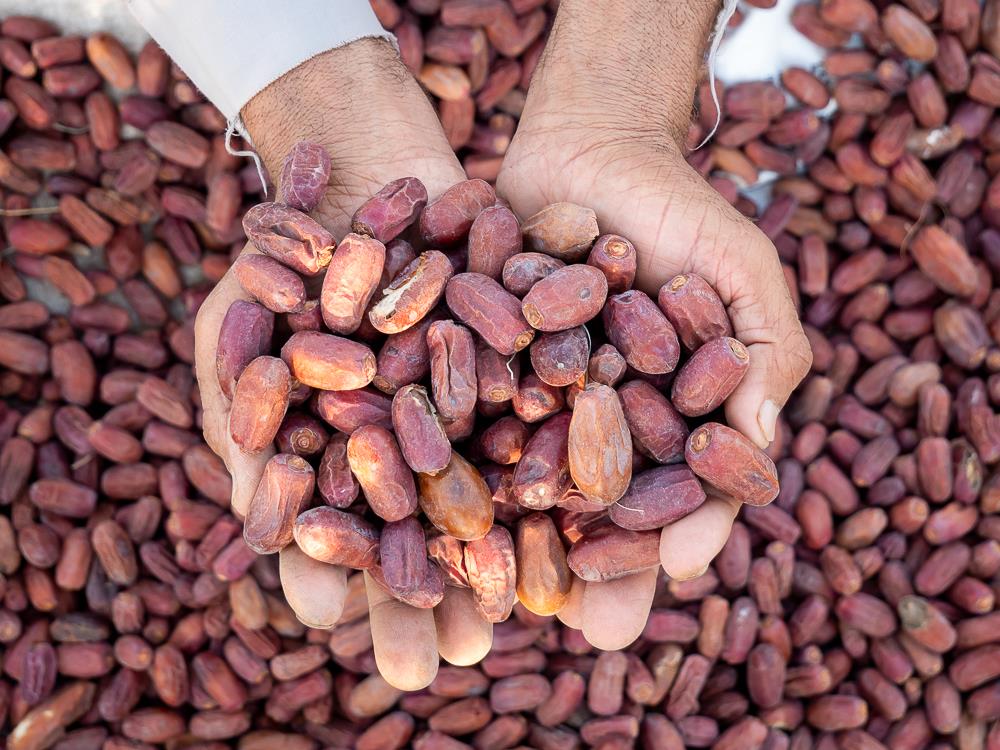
(232, 50)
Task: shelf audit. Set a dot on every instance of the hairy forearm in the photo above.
(630, 63)
(363, 106)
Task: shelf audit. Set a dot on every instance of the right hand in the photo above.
(384, 128)
(603, 127)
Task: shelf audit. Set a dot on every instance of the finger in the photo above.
(463, 636)
(743, 266)
(615, 612)
(571, 615)
(215, 405)
(246, 471)
(404, 639)
(688, 546)
(314, 590)
(780, 357)
(775, 371)
(764, 319)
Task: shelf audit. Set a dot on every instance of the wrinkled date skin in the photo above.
(453, 369)
(600, 445)
(607, 366)
(273, 285)
(656, 497)
(561, 358)
(458, 430)
(523, 270)
(55, 495)
(491, 569)
(694, 309)
(494, 237)
(960, 331)
(612, 552)
(566, 298)
(259, 404)
(412, 294)
(391, 210)
(944, 260)
(334, 478)
(616, 258)
(351, 279)
(304, 176)
(542, 476)
(403, 556)
(562, 230)
(289, 236)
(244, 335)
(643, 335)
(709, 377)
(383, 474)
(23, 354)
(490, 310)
(496, 375)
(427, 595)
(398, 255)
(543, 576)
(327, 362)
(503, 441)
(658, 431)
(536, 400)
(404, 357)
(418, 428)
(732, 464)
(457, 500)
(449, 554)
(309, 318)
(449, 218)
(333, 536)
(40, 672)
(346, 411)
(285, 487)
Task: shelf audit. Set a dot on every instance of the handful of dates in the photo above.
(473, 401)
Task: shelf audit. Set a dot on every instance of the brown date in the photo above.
(600, 445)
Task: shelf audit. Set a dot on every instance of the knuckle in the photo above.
(799, 355)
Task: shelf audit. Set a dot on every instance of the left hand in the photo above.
(390, 132)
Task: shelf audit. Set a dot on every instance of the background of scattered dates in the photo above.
(856, 612)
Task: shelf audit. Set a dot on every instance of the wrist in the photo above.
(628, 69)
(363, 106)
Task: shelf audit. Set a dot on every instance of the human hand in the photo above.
(364, 107)
(603, 128)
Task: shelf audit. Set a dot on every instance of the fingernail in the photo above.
(691, 575)
(767, 418)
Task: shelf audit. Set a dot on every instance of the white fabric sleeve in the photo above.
(232, 49)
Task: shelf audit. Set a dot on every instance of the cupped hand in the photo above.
(392, 132)
(636, 179)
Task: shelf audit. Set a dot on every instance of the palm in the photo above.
(651, 196)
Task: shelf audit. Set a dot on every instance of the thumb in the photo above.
(246, 470)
